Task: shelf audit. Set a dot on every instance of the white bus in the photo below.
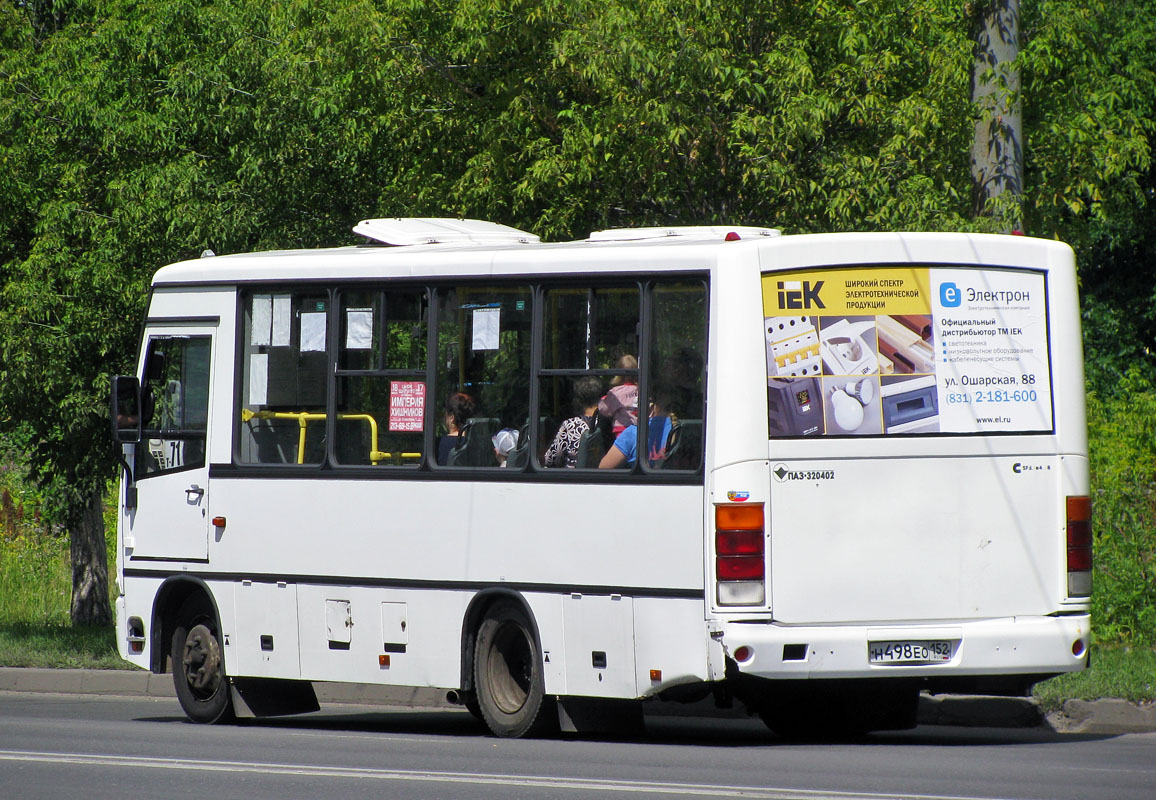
(865, 476)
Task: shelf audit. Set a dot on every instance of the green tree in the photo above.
(135, 134)
(997, 160)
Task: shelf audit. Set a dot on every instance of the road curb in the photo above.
(1104, 717)
(138, 683)
(979, 711)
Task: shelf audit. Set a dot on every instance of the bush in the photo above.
(1122, 443)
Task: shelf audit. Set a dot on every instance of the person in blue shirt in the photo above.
(624, 451)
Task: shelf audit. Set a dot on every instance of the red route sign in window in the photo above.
(406, 405)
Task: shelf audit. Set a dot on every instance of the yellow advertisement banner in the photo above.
(847, 292)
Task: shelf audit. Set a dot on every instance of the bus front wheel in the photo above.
(508, 675)
(198, 664)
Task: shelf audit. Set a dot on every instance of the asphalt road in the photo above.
(71, 746)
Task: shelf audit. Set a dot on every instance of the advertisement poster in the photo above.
(906, 350)
(406, 405)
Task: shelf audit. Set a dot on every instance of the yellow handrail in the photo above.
(303, 419)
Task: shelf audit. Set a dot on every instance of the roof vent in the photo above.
(701, 232)
(436, 230)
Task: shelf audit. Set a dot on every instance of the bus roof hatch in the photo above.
(682, 231)
(437, 230)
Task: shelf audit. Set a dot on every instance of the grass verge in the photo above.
(58, 647)
(1128, 673)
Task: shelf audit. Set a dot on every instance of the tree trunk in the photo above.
(89, 564)
(997, 149)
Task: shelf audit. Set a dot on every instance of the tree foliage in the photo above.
(1124, 497)
(133, 134)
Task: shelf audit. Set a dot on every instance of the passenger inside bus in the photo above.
(504, 441)
(459, 408)
(563, 451)
(663, 417)
(621, 403)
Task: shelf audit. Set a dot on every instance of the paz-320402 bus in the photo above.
(829, 472)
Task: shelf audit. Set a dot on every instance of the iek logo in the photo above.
(799, 295)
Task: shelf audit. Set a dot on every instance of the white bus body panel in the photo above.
(871, 539)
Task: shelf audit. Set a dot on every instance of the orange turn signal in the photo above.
(738, 517)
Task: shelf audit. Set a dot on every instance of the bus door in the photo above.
(171, 519)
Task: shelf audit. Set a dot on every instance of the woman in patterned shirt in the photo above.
(563, 451)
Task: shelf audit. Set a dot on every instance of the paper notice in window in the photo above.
(258, 379)
(406, 405)
(262, 316)
(313, 332)
(486, 328)
(358, 328)
(282, 319)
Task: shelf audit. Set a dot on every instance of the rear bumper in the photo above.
(991, 647)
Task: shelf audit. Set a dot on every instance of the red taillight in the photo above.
(740, 549)
(1079, 546)
(740, 568)
(738, 543)
(1079, 540)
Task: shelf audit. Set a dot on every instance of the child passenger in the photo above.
(621, 403)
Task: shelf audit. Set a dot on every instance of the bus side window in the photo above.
(676, 373)
(283, 381)
(483, 353)
(381, 377)
(589, 372)
(175, 401)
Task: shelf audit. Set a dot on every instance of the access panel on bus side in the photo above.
(884, 384)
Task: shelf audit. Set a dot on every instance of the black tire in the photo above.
(470, 701)
(199, 665)
(508, 675)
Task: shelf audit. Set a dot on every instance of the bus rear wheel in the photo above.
(198, 664)
(508, 675)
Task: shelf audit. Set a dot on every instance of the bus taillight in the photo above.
(1079, 534)
(740, 554)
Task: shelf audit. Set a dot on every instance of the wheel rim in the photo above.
(511, 666)
(202, 661)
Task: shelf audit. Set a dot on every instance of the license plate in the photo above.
(926, 652)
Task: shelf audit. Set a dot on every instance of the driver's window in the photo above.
(174, 405)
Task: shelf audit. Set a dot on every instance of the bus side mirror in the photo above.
(125, 409)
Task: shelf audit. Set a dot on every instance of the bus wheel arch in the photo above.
(503, 673)
(191, 623)
(170, 597)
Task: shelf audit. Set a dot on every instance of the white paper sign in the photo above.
(258, 379)
(282, 319)
(313, 332)
(487, 325)
(358, 328)
(262, 316)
